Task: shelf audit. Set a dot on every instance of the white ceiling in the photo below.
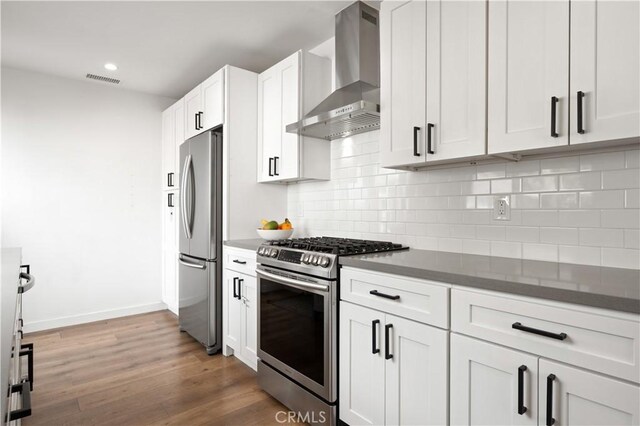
(162, 48)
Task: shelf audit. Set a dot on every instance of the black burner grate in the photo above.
(339, 246)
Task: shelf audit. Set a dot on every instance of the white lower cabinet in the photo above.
(240, 314)
(491, 384)
(170, 250)
(572, 396)
(392, 370)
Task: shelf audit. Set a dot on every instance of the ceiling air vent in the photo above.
(103, 78)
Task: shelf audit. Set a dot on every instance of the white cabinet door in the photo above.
(416, 373)
(170, 251)
(169, 163)
(288, 163)
(178, 113)
(213, 101)
(362, 365)
(605, 65)
(528, 75)
(269, 122)
(193, 110)
(249, 320)
(579, 397)
(456, 79)
(402, 82)
(233, 317)
(485, 384)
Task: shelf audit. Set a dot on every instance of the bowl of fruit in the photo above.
(272, 230)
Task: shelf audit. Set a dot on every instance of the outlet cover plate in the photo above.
(502, 207)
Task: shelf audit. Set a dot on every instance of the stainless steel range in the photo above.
(298, 320)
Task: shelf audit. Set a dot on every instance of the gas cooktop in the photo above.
(339, 246)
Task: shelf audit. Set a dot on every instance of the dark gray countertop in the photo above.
(609, 288)
(251, 244)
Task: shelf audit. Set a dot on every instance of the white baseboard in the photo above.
(30, 327)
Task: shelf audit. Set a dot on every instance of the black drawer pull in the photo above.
(270, 166)
(557, 336)
(170, 200)
(26, 349)
(386, 296)
(170, 179)
(521, 408)
(554, 104)
(416, 153)
(374, 339)
(240, 262)
(387, 352)
(580, 112)
(550, 419)
(25, 406)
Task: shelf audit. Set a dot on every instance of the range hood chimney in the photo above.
(355, 105)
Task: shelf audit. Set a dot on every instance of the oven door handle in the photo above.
(291, 282)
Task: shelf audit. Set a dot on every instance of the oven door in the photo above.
(296, 328)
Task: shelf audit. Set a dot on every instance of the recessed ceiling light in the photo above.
(111, 67)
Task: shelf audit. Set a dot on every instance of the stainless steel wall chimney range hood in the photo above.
(355, 106)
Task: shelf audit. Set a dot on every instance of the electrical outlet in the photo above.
(502, 207)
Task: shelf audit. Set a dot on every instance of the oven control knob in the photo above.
(261, 251)
(273, 253)
(305, 258)
(324, 262)
(316, 260)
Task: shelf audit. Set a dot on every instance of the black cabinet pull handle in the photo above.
(27, 267)
(387, 352)
(270, 166)
(196, 115)
(170, 200)
(415, 141)
(240, 281)
(26, 349)
(200, 120)
(169, 179)
(557, 336)
(554, 103)
(25, 393)
(240, 262)
(275, 166)
(550, 419)
(235, 290)
(386, 296)
(429, 127)
(521, 408)
(374, 339)
(580, 112)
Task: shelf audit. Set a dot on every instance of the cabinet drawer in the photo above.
(418, 300)
(599, 340)
(243, 261)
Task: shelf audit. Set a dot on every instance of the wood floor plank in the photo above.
(140, 370)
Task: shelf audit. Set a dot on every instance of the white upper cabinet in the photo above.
(172, 137)
(402, 82)
(286, 92)
(204, 105)
(433, 81)
(605, 65)
(528, 89)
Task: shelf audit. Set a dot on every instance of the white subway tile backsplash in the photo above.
(621, 258)
(601, 237)
(506, 186)
(581, 181)
(540, 184)
(560, 209)
(559, 165)
(602, 200)
(602, 161)
(621, 179)
(559, 200)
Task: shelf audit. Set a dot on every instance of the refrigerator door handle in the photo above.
(192, 264)
(186, 222)
(192, 196)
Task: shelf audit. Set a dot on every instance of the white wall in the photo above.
(576, 208)
(80, 178)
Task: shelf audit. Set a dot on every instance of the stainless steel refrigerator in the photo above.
(200, 258)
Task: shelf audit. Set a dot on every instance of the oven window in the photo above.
(292, 328)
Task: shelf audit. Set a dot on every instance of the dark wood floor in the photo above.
(140, 370)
